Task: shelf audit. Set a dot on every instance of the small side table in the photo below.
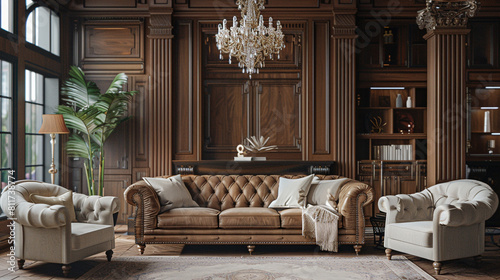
(492, 232)
(378, 226)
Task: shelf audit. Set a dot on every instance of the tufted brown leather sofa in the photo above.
(234, 210)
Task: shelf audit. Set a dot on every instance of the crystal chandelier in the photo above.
(251, 42)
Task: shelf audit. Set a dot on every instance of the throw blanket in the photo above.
(321, 222)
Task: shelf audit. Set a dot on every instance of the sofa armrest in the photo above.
(146, 199)
(462, 214)
(95, 209)
(353, 196)
(407, 207)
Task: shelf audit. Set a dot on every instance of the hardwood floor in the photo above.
(125, 246)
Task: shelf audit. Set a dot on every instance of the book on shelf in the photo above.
(393, 152)
(249, 158)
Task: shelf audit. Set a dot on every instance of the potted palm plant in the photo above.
(92, 117)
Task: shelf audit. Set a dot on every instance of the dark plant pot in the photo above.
(115, 218)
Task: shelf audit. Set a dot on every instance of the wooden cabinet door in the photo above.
(226, 117)
(115, 185)
(278, 115)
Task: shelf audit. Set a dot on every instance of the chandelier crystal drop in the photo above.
(251, 42)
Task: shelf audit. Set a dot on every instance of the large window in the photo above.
(7, 15)
(43, 28)
(6, 132)
(41, 97)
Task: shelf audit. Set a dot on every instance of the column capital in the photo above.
(160, 24)
(344, 25)
(446, 14)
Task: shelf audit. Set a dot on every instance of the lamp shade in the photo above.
(53, 123)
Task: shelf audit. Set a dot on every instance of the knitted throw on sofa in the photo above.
(321, 222)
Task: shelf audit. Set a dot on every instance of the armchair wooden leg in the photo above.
(109, 254)
(388, 253)
(357, 248)
(251, 249)
(20, 263)
(66, 268)
(437, 267)
(478, 259)
(141, 248)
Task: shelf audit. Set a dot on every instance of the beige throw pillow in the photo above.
(292, 192)
(322, 191)
(65, 199)
(172, 192)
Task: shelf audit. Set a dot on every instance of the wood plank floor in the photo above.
(458, 269)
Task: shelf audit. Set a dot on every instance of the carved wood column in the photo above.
(344, 87)
(160, 101)
(446, 97)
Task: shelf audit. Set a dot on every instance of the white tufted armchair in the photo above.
(46, 233)
(443, 222)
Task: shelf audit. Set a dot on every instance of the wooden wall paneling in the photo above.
(278, 115)
(483, 45)
(226, 117)
(344, 81)
(446, 101)
(110, 3)
(160, 105)
(115, 185)
(270, 4)
(112, 46)
(183, 124)
(140, 121)
(319, 128)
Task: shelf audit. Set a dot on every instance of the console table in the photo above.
(266, 167)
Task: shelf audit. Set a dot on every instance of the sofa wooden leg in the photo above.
(251, 248)
(141, 248)
(437, 267)
(478, 259)
(357, 249)
(109, 254)
(66, 268)
(388, 253)
(20, 263)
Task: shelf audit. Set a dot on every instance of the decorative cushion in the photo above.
(292, 192)
(249, 217)
(320, 191)
(65, 199)
(417, 233)
(85, 235)
(172, 192)
(197, 217)
(291, 218)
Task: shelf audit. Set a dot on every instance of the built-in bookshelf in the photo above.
(390, 131)
(484, 123)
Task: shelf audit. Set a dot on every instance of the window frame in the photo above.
(14, 103)
(32, 45)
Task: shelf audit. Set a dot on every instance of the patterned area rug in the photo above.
(256, 268)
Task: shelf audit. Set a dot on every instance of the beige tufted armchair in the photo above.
(443, 222)
(46, 233)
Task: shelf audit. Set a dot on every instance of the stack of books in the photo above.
(393, 152)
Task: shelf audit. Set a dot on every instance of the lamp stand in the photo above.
(53, 169)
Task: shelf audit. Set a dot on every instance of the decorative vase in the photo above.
(408, 102)
(399, 101)
(487, 124)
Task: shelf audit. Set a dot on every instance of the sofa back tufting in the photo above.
(223, 192)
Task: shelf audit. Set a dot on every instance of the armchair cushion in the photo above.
(65, 199)
(85, 235)
(417, 233)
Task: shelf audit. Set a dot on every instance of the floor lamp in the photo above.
(53, 124)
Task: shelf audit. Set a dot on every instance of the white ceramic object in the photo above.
(487, 122)
(408, 102)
